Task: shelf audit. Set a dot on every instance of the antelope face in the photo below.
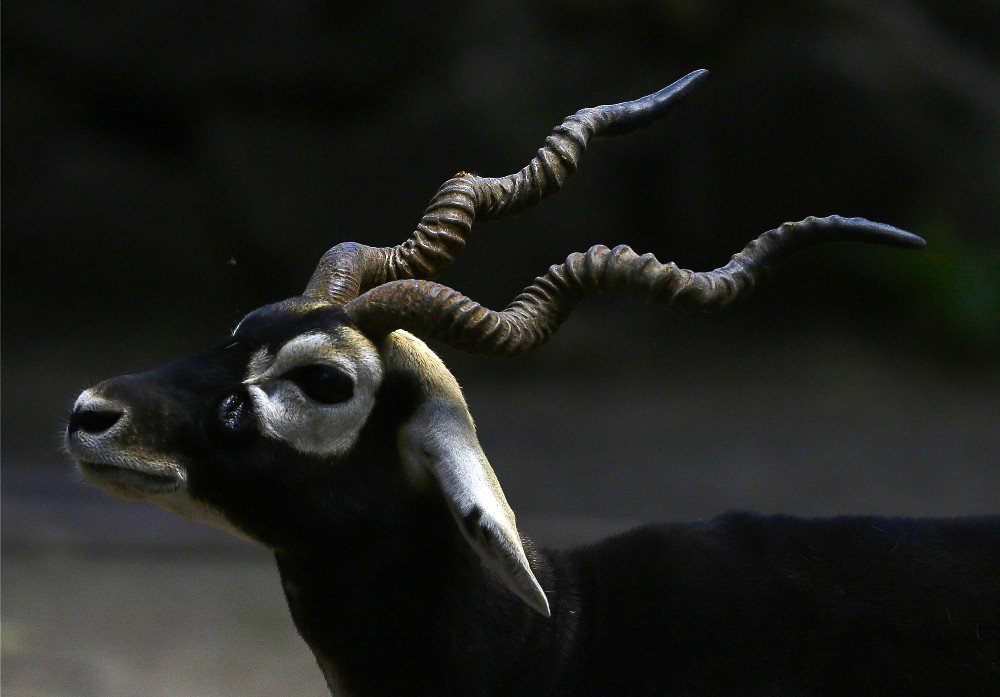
(206, 436)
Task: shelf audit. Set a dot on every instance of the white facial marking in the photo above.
(287, 414)
(258, 365)
(88, 400)
(130, 464)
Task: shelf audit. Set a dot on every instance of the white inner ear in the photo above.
(310, 427)
(440, 441)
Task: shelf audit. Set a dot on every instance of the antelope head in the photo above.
(332, 393)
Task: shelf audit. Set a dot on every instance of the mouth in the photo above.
(128, 482)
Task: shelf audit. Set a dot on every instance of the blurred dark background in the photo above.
(170, 166)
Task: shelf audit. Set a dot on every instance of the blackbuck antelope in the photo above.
(325, 429)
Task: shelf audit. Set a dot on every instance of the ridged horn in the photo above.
(433, 311)
(350, 269)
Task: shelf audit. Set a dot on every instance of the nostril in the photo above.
(94, 420)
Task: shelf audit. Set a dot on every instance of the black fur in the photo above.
(739, 605)
(383, 586)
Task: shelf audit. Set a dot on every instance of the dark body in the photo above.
(738, 605)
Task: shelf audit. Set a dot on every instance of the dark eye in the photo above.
(322, 383)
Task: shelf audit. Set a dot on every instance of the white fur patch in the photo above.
(104, 448)
(288, 415)
(258, 364)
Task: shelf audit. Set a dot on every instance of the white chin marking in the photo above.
(286, 414)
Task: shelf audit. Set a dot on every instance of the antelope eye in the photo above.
(322, 383)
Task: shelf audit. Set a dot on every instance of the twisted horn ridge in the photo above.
(350, 269)
(433, 311)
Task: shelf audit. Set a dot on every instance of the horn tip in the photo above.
(860, 230)
(638, 113)
(888, 234)
(676, 90)
(696, 75)
(914, 241)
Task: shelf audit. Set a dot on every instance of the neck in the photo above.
(416, 612)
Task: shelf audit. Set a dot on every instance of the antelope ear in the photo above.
(439, 441)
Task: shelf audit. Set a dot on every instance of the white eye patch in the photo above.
(288, 415)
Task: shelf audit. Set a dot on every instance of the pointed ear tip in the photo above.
(539, 603)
